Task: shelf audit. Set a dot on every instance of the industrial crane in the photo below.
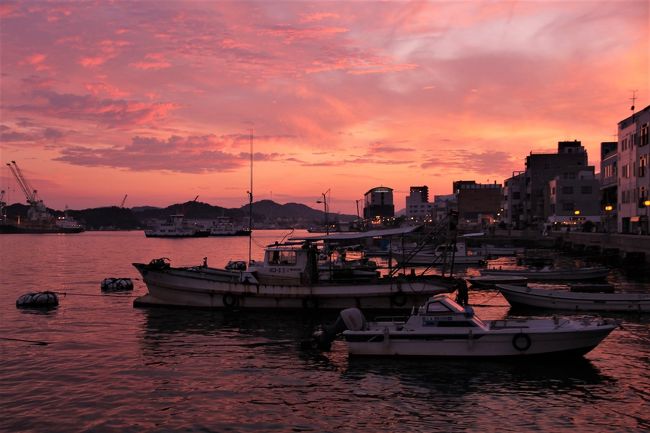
(123, 201)
(37, 210)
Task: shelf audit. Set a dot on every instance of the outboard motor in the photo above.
(350, 318)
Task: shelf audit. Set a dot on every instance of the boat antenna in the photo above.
(250, 203)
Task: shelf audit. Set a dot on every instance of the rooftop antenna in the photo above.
(250, 204)
(633, 99)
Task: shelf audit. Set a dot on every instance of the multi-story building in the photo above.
(442, 205)
(378, 203)
(417, 203)
(633, 176)
(541, 168)
(608, 185)
(574, 199)
(512, 204)
(478, 204)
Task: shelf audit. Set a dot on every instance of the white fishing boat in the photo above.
(551, 274)
(490, 281)
(442, 328)
(288, 278)
(176, 226)
(575, 301)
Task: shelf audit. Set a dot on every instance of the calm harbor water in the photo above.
(96, 364)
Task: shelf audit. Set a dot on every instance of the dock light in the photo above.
(577, 212)
(646, 203)
(609, 208)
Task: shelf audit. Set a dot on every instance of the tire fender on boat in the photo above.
(230, 300)
(398, 299)
(521, 342)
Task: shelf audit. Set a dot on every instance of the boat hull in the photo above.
(551, 275)
(575, 301)
(479, 345)
(221, 289)
(490, 282)
(41, 229)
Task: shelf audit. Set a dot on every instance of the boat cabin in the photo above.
(442, 311)
(284, 264)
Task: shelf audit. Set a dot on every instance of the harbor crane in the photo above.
(37, 210)
(123, 201)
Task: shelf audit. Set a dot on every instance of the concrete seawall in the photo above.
(634, 249)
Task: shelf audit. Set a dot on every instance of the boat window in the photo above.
(437, 307)
(282, 258)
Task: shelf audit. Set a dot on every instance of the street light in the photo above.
(324, 202)
(608, 212)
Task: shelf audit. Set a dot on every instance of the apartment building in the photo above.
(633, 179)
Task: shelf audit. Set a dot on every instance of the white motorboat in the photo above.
(288, 278)
(575, 301)
(176, 226)
(442, 328)
(490, 281)
(494, 251)
(441, 255)
(551, 274)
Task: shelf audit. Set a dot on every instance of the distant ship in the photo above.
(58, 225)
(176, 226)
(224, 226)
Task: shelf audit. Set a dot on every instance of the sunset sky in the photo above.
(156, 99)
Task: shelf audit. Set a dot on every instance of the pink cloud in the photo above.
(191, 154)
(37, 61)
(318, 16)
(106, 50)
(154, 61)
(113, 113)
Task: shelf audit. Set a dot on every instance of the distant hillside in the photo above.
(264, 211)
(270, 210)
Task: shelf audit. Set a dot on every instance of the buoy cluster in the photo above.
(116, 284)
(38, 300)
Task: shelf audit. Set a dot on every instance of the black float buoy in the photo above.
(117, 284)
(38, 300)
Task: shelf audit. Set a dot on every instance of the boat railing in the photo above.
(391, 319)
(508, 324)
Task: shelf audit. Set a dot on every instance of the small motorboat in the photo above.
(575, 301)
(552, 274)
(490, 281)
(442, 328)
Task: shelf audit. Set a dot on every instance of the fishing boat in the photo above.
(575, 301)
(551, 274)
(288, 278)
(490, 281)
(176, 226)
(442, 328)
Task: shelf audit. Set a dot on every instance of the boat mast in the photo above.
(250, 203)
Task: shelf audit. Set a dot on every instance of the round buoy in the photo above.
(38, 300)
(116, 284)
